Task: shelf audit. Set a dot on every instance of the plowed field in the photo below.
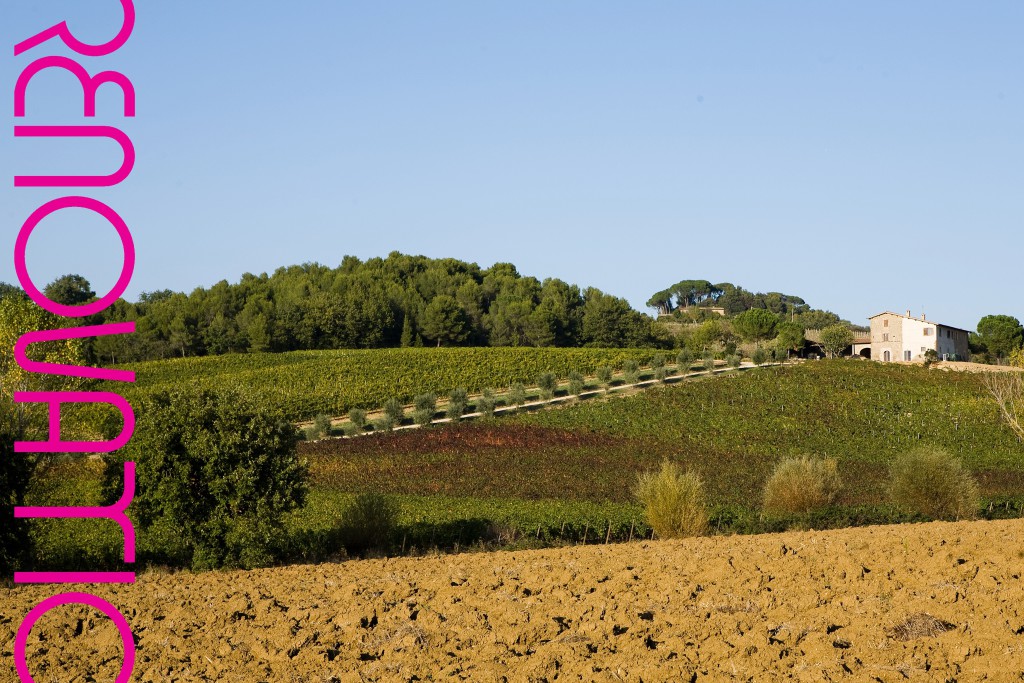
(940, 602)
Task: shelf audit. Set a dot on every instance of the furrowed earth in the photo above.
(938, 601)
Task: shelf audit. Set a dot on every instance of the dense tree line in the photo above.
(400, 300)
(692, 299)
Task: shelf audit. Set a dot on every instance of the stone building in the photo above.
(897, 337)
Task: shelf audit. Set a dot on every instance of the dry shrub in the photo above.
(919, 625)
(801, 485)
(931, 482)
(674, 501)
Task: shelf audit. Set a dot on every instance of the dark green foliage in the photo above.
(999, 335)
(15, 474)
(756, 324)
(70, 290)
(219, 470)
(683, 359)
(382, 302)
(835, 339)
(576, 383)
(369, 522)
(790, 336)
(733, 360)
(457, 400)
(604, 375)
(658, 361)
(444, 321)
(660, 373)
(760, 356)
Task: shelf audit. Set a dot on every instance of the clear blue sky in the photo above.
(866, 156)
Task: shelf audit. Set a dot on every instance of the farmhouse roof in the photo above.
(922, 319)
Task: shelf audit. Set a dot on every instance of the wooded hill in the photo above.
(400, 300)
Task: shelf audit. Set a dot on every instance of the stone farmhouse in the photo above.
(897, 337)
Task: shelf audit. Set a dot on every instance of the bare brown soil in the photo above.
(930, 602)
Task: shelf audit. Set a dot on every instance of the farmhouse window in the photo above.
(906, 355)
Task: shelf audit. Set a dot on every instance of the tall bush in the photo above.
(631, 371)
(674, 502)
(486, 403)
(218, 469)
(547, 383)
(801, 485)
(394, 411)
(369, 522)
(424, 407)
(932, 483)
(457, 400)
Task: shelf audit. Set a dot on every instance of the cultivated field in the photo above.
(926, 602)
(301, 384)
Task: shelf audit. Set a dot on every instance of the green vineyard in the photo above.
(302, 384)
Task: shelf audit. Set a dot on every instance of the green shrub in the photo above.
(517, 394)
(709, 362)
(220, 470)
(673, 502)
(394, 409)
(631, 371)
(930, 482)
(801, 485)
(485, 404)
(357, 416)
(424, 407)
(733, 360)
(384, 424)
(660, 373)
(369, 522)
(322, 424)
(683, 359)
(604, 376)
(760, 356)
(547, 383)
(457, 400)
(576, 383)
(310, 433)
(658, 361)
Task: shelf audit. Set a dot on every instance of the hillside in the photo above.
(936, 601)
(731, 429)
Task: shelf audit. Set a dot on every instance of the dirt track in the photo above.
(813, 606)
